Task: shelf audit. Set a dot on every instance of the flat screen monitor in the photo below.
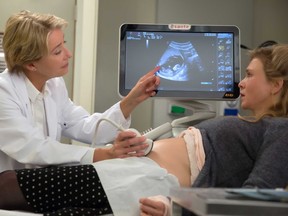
(196, 61)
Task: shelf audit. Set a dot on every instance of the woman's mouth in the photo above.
(65, 66)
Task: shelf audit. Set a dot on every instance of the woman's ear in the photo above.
(277, 86)
(30, 67)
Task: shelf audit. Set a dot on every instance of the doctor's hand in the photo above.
(145, 87)
(126, 144)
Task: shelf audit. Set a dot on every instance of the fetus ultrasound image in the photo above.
(179, 62)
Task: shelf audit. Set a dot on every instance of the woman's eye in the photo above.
(59, 49)
(57, 52)
(248, 74)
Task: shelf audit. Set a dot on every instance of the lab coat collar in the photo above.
(33, 93)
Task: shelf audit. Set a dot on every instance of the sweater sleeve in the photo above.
(271, 165)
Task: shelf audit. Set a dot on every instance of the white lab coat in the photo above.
(22, 146)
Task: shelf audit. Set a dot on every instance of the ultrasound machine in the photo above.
(197, 63)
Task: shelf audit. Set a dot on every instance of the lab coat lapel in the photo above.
(51, 116)
(18, 81)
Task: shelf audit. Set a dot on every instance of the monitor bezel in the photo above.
(183, 95)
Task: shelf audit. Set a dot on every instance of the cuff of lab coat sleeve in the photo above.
(126, 122)
(88, 157)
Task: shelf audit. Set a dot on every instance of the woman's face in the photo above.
(255, 89)
(55, 64)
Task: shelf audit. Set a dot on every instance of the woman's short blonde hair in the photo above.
(26, 37)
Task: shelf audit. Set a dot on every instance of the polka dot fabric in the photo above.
(73, 190)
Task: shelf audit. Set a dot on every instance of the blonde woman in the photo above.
(35, 110)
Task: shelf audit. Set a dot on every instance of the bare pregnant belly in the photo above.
(172, 155)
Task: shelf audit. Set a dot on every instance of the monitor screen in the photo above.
(196, 61)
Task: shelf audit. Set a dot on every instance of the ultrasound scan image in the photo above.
(179, 62)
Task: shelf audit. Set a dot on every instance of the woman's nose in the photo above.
(240, 85)
(68, 53)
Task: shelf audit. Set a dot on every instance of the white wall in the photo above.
(270, 21)
(112, 13)
(85, 53)
(227, 12)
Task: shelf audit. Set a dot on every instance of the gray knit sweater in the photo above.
(244, 154)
